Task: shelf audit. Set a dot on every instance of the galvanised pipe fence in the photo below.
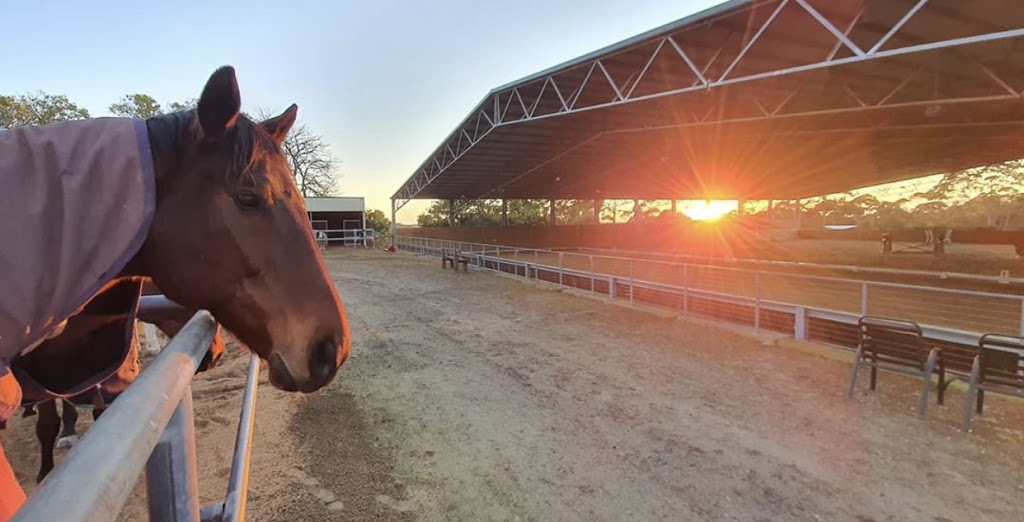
(150, 427)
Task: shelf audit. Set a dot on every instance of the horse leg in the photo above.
(69, 417)
(98, 405)
(47, 428)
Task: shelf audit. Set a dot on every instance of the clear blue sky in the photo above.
(384, 80)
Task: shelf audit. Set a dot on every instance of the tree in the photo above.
(136, 106)
(312, 163)
(380, 224)
(528, 212)
(574, 212)
(310, 158)
(186, 105)
(987, 196)
(436, 215)
(487, 212)
(38, 108)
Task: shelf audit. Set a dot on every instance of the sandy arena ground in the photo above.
(478, 397)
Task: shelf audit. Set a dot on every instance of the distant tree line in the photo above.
(313, 165)
(487, 212)
(984, 197)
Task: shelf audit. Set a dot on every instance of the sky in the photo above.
(384, 81)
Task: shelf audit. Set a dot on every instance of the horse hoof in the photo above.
(67, 442)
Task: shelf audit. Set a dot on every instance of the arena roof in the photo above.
(751, 99)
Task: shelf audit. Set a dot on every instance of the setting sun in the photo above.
(707, 210)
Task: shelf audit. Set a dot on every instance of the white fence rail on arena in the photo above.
(818, 307)
(348, 236)
(853, 270)
(149, 426)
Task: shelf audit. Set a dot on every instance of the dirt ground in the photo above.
(471, 396)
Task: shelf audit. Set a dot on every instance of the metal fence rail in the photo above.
(349, 236)
(149, 426)
(804, 306)
(797, 265)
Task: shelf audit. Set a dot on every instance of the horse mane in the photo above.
(251, 145)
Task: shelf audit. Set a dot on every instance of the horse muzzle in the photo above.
(325, 357)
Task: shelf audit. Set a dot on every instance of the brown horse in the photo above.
(230, 235)
(208, 209)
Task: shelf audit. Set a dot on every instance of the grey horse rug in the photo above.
(76, 203)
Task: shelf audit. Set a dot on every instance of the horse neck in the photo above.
(167, 140)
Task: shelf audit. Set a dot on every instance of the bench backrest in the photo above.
(892, 340)
(1002, 360)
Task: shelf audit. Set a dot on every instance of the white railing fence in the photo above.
(804, 306)
(150, 426)
(349, 236)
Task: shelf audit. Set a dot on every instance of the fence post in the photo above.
(864, 298)
(800, 324)
(592, 275)
(172, 486)
(757, 302)
(632, 281)
(238, 480)
(1022, 318)
(686, 292)
(152, 345)
(560, 265)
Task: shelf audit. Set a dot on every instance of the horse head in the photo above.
(230, 234)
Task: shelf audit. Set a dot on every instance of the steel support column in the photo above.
(504, 212)
(362, 225)
(451, 212)
(674, 202)
(394, 223)
(598, 203)
(551, 212)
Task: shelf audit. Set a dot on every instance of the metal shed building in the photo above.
(343, 219)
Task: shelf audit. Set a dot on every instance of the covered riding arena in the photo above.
(776, 101)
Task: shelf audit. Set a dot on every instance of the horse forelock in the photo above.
(253, 146)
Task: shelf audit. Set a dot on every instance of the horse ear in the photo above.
(220, 102)
(279, 126)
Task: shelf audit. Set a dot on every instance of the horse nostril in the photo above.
(324, 359)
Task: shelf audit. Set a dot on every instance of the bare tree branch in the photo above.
(309, 155)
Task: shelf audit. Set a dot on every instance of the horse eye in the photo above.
(247, 200)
